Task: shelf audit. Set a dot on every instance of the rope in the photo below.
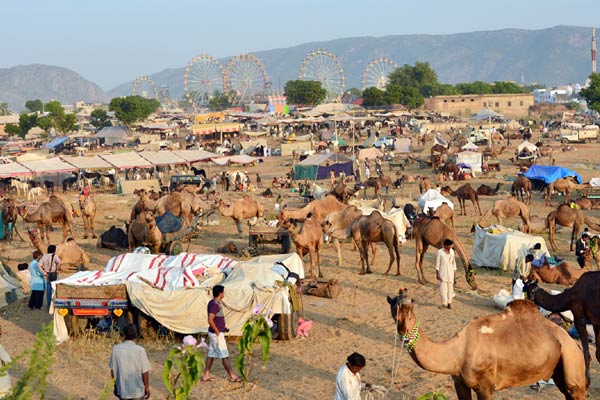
(395, 346)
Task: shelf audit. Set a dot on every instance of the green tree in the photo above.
(307, 93)
(477, 87)
(4, 110)
(355, 92)
(420, 76)
(133, 108)
(68, 123)
(26, 122)
(13, 129)
(46, 123)
(55, 109)
(408, 96)
(99, 119)
(446, 89)
(591, 94)
(374, 97)
(34, 105)
(219, 102)
(504, 87)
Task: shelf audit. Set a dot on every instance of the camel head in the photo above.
(149, 218)
(326, 225)
(401, 309)
(22, 210)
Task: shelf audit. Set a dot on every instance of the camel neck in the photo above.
(442, 357)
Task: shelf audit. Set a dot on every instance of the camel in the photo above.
(445, 213)
(485, 190)
(144, 203)
(515, 347)
(9, 217)
(583, 299)
(184, 204)
(317, 208)
(375, 228)
(382, 181)
(374, 203)
(47, 213)
(569, 217)
(561, 185)
(450, 170)
(585, 203)
(509, 208)
(308, 240)
(342, 192)
(437, 151)
(537, 224)
(463, 193)
(521, 187)
(143, 231)
(432, 232)
(242, 209)
(425, 184)
(87, 205)
(493, 152)
(561, 274)
(72, 256)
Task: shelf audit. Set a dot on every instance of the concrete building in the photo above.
(509, 105)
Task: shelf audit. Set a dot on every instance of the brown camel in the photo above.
(144, 203)
(342, 192)
(585, 203)
(432, 232)
(381, 181)
(143, 231)
(464, 193)
(562, 274)
(537, 224)
(437, 151)
(87, 205)
(569, 217)
(9, 217)
(508, 208)
(493, 152)
(46, 214)
(375, 228)
(450, 170)
(308, 240)
(521, 187)
(561, 185)
(317, 208)
(425, 184)
(445, 213)
(184, 204)
(244, 208)
(485, 190)
(515, 347)
(583, 299)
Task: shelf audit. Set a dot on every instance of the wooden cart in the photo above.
(259, 235)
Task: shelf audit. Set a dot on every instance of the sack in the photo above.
(328, 288)
(168, 223)
(52, 276)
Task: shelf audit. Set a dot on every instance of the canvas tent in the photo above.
(237, 159)
(403, 145)
(433, 199)
(485, 114)
(48, 166)
(10, 286)
(162, 157)
(319, 166)
(470, 147)
(371, 153)
(13, 169)
(194, 155)
(130, 159)
(526, 145)
(469, 159)
(499, 247)
(550, 173)
(85, 162)
(113, 135)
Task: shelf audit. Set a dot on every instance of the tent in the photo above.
(131, 159)
(469, 159)
(48, 166)
(595, 182)
(162, 157)
(470, 147)
(194, 155)
(238, 159)
(550, 173)
(114, 134)
(433, 199)
(403, 145)
(526, 145)
(12, 169)
(485, 114)
(499, 247)
(10, 286)
(56, 142)
(319, 166)
(371, 153)
(87, 162)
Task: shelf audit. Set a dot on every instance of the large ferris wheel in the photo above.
(323, 66)
(203, 76)
(144, 87)
(245, 79)
(377, 72)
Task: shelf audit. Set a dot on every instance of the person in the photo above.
(258, 181)
(522, 268)
(378, 166)
(217, 327)
(445, 266)
(24, 277)
(367, 169)
(582, 247)
(50, 266)
(129, 366)
(348, 384)
(38, 284)
(540, 257)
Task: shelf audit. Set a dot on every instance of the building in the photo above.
(509, 105)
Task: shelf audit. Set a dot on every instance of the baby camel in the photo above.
(308, 240)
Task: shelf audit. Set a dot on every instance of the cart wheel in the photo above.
(288, 326)
(175, 248)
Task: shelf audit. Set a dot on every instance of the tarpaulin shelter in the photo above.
(127, 160)
(470, 147)
(48, 166)
(499, 247)
(13, 169)
(114, 134)
(371, 153)
(403, 145)
(550, 173)
(162, 157)
(194, 155)
(87, 162)
(469, 159)
(238, 159)
(433, 199)
(319, 166)
(484, 114)
(54, 143)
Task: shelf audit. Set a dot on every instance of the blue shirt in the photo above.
(37, 277)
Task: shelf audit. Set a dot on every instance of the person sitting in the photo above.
(582, 249)
(539, 256)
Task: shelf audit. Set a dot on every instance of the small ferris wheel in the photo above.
(323, 66)
(245, 79)
(203, 77)
(144, 87)
(377, 72)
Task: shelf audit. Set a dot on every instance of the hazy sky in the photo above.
(113, 41)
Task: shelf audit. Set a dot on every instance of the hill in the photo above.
(556, 55)
(25, 82)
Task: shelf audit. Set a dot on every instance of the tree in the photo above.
(99, 119)
(308, 93)
(219, 102)
(13, 129)
(420, 76)
(504, 87)
(374, 97)
(34, 105)
(55, 109)
(67, 123)
(4, 110)
(477, 87)
(591, 94)
(133, 108)
(446, 89)
(26, 122)
(410, 97)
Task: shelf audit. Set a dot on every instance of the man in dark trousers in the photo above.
(581, 248)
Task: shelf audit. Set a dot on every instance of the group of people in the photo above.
(38, 275)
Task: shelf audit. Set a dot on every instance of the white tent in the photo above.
(238, 159)
(433, 199)
(499, 247)
(196, 155)
(87, 162)
(13, 169)
(469, 158)
(48, 166)
(130, 159)
(162, 157)
(403, 145)
(527, 145)
(470, 147)
(371, 153)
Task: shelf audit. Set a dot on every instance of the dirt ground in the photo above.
(358, 320)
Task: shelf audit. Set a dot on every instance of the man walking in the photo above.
(445, 266)
(129, 366)
(217, 347)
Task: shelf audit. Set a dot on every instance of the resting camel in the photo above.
(537, 224)
(485, 190)
(509, 208)
(569, 217)
(561, 274)
(374, 203)
(450, 170)
(244, 208)
(308, 240)
(47, 213)
(317, 208)
(464, 193)
(583, 299)
(513, 348)
(143, 231)
(425, 184)
(342, 192)
(586, 203)
(432, 232)
(445, 213)
(87, 205)
(561, 185)
(521, 187)
(375, 228)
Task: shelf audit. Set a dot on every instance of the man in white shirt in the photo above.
(347, 381)
(445, 266)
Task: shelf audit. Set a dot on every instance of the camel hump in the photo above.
(522, 306)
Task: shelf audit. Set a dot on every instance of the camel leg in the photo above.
(478, 208)
(364, 263)
(373, 250)
(92, 228)
(390, 247)
(551, 231)
(463, 392)
(238, 225)
(574, 234)
(85, 226)
(585, 344)
(318, 251)
(338, 249)
(311, 255)
(420, 256)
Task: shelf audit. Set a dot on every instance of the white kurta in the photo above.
(347, 385)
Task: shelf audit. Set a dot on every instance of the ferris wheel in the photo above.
(377, 72)
(323, 66)
(144, 87)
(203, 76)
(245, 79)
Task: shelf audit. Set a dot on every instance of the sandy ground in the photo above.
(358, 320)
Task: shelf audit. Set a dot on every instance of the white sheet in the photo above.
(433, 199)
